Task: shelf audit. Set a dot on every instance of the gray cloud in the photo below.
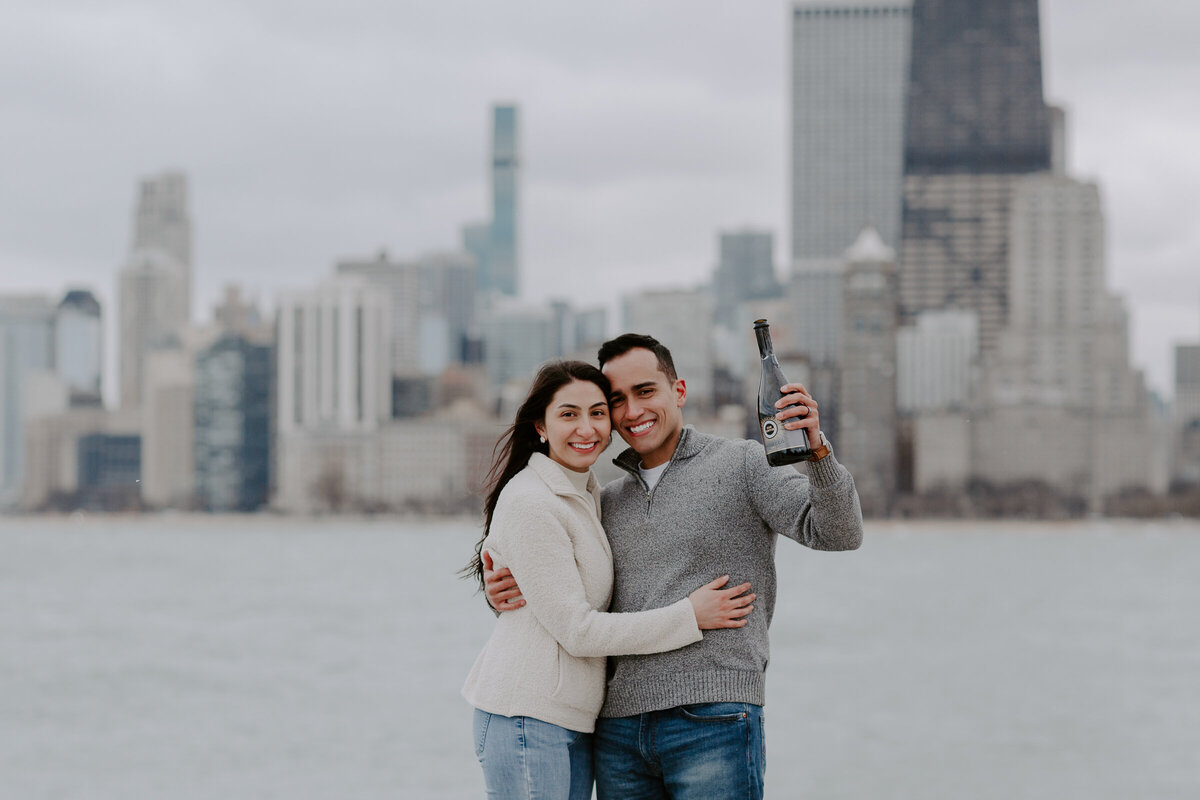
(310, 134)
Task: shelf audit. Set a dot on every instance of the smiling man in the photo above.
(688, 723)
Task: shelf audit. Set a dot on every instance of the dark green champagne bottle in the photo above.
(782, 445)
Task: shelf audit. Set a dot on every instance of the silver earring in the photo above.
(543, 439)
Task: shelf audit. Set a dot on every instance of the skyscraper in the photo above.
(500, 273)
(867, 398)
(232, 448)
(162, 222)
(148, 303)
(154, 285)
(79, 346)
(849, 69)
(976, 121)
(334, 357)
(26, 347)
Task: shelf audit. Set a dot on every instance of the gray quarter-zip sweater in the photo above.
(717, 509)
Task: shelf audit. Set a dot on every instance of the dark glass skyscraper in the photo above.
(232, 407)
(975, 100)
(976, 122)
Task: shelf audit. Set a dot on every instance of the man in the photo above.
(688, 723)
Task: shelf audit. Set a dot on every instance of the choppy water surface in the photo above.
(186, 657)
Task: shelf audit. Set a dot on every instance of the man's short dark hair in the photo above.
(631, 341)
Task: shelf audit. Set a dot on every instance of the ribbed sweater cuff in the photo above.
(683, 688)
(825, 472)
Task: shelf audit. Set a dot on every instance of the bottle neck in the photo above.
(765, 348)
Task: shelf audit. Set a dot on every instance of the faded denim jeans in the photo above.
(526, 759)
(693, 752)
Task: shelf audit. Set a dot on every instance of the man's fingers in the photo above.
(507, 594)
(487, 559)
(510, 605)
(500, 576)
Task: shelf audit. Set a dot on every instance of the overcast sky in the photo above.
(313, 131)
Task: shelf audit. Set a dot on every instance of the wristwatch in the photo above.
(821, 450)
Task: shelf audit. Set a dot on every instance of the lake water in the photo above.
(263, 657)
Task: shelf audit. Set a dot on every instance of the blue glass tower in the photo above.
(500, 272)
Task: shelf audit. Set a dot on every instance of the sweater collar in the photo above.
(552, 474)
(690, 443)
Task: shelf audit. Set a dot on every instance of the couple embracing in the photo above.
(677, 586)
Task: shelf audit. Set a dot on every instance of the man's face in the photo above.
(647, 408)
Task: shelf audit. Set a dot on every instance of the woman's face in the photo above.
(576, 425)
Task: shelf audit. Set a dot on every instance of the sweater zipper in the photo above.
(650, 492)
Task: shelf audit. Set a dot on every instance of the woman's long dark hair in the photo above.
(512, 451)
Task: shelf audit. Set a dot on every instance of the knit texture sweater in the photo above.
(717, 509)
(546, 659)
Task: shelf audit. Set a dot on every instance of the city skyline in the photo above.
(637, 154)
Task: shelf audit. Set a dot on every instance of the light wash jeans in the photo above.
(526, 759)
(694, 752)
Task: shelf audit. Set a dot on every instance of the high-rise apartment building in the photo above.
(334, 357)
(849, 71)
(500, 272)
(976, 121)
(1067, 336)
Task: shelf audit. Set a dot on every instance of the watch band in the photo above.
(821, 450)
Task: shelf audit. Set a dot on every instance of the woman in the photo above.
(538, 685)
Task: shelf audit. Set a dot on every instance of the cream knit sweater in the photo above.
(546, 660)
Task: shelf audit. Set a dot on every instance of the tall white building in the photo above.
(334, 357)
(849, 77)
(1067, 341)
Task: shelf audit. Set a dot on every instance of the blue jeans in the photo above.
(695, 752)
(526, 759)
